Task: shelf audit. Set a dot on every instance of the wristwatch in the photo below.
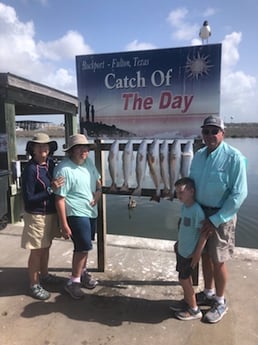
(50, 190)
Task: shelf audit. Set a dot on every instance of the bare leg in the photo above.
(220, 277)
(44, 261)
(189, 294)
(207, 269)
(79, 262)
(34, 266)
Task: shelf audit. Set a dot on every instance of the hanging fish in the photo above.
(187, 156)
(174, 165)
(154, 166)
(113, 164)
(164, 167)
(141, 164)
(127, 158)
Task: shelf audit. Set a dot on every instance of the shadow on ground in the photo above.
(108, 310)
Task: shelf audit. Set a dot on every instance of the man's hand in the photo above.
(207, 228)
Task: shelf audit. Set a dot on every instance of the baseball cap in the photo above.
(213, 121)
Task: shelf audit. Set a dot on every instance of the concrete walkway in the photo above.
(128, 307)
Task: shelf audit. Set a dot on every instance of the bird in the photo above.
(132, 203)
(205, 32)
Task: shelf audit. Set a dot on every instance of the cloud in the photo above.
(66, 47)
(50, 62)
(208, 12)
(135, 45)
(20, 54)
(239, 93)
(61, 79)
(182, 30)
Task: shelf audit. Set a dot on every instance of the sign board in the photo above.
(160, 93)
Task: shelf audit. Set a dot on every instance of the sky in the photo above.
(39, 40)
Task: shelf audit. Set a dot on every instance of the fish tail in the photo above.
(137, 191)
(155, 198)
(113, 188)
(124, 188)
(172, 195)
(166, 193)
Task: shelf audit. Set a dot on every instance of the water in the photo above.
(159, 220)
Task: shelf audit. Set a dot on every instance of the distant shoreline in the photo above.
(52, 132)
(233, 130)
(241, 130)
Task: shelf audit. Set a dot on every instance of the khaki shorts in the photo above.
(220, 246)
(39, 230)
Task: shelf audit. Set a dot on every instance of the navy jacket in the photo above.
(35, 181)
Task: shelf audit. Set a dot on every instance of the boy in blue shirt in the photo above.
(189, 247)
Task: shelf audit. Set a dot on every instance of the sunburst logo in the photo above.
(197, 66)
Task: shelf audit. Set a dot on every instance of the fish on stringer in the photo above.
(154, 166)
(141, 165)
(164, 168)
(127, 159)
(113, 164)
(187, 157)
(174, 165)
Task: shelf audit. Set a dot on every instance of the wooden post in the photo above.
(101, 221)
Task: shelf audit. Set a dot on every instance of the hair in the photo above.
(185, 181)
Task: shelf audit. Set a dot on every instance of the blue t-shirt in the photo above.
(78, 188)
(189, 229)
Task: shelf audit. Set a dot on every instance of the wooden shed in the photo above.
(19, 96)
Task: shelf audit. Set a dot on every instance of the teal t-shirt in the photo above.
(79, 186)
(189, 229)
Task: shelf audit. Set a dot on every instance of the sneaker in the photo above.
(189, 314)
(87, 281)
(74, 290)
(178, 305)
(203, 299)
(37, 291)
(216, 313)
(50, 279)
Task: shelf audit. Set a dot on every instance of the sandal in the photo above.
(38, 292)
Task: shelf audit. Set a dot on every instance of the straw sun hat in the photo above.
(76, 139)
(41, 138)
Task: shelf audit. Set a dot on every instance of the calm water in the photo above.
(159, 220)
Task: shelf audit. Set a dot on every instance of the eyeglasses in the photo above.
(212, 131)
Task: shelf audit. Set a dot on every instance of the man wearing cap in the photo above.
(76, 203)
(219, 172)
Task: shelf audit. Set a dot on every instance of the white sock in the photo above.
(74, 280)
(209, 292)
(220, 300)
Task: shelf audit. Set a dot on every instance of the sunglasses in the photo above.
(212, 131)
